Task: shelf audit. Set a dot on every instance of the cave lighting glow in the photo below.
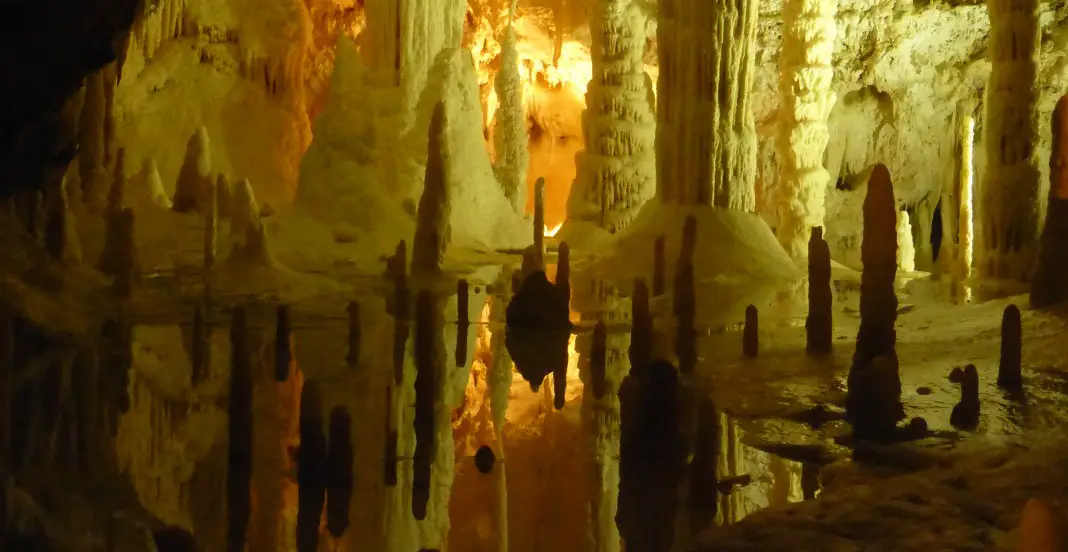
(551, 232)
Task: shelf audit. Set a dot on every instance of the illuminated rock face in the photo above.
(705, 128)
(617, 170)
(1008, 210)
(1050, 283)
(806, 99)
(510, 130)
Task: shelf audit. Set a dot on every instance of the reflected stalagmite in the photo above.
(311, 469)
(339, 472)
(563, 272)
(398, 269)
(1009, 376)
(641, 339)
(598, 359)
(751, 333)
(659, 267)
(426, 390)
(966, 412)
(878, 313)
(685, 301)
(195, 173)
(211, 225)
(432, 230)
(1050, 283)
(818, 324)
(704, 482)
(283, 354)
(199, 348)
(239, 472)
(537, 330)
(353, 357)
(463, 322)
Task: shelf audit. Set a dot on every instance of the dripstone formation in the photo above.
(818, 324)
(1009, 376)
(510, 131)
(432, 231)
(1050, 283)
(311, 469)
(965, 413)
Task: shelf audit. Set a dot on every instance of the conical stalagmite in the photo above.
(114, 239)
(244, 210)
(1009, 376)
(283, 354)
(463, 322)
(194, 174)
(311, 469)
(878, 311)
(432, 229)
(426, 389)
(339, 482)
(252, 246)
(154, 185)
(818, 324)
(965, 413)
(224, 196)
(353, 357)
(751, 333)
(1050, 283)
(239, 472)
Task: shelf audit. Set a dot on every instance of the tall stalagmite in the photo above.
(1050, 284)
(195, 174)
(617, 170)
(805, 99)
(510, 130)
(818, 334)
(705, 128)
(1009, 206)
(432, 233)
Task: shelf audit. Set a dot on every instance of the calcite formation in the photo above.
(311, 468)
(510, 129)
(463, 321)
(617, 170)
(428, 381)
(195, 174)
(432, 230)
(1009, 209)
(806, 98)
(1009, 376)
(500, 374)
(1050, 283)
(61, 232)
(239, 466)
(751, 333)
(339, 479)
(355, 335)
(245, 212)
(965, 413)
(906, 251)
(283, 354)
(818, 323)
(389, 450)
(705, 130)
(598, 359)
(563, 273)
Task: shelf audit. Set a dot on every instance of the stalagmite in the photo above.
(401, 309)
(239, 471)
(965, 413)
(1050, 283)
(751, 333)
(818, 324)
(244, 211)
(659, 266)
(311, 469)
(250, 247)
(114, 238)
(61, 232)
(510, 129)
(704, 491)
(224, 196)
(878, 312)
(283, 354)
(806, 98)
(339, 462)
(353, 357)
(539, 220)
(1009, 206)
(199, 348)
(154, 185)
(599, 359)
(195, 173)
(1009, 376)
(906, 251)
(617, 170)
(91, 142)
(463, 321)
(432, 230)
(211, 223)
(427, 384)
(641, 340)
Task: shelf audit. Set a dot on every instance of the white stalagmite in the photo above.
(510, 130)
(617, 170)
(805, 101)
(966, 213)
(1009, 209)
(245, 213)
(706, 135)
(906, 250)
(154, 185)
(195, 174)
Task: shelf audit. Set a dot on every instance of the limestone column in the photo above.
(805, 101)
(510, 129)
(617, 170)
(1009, 206)
(706, 135)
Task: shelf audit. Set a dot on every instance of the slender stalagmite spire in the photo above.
(510, 130)
(806, 99)
(1009, 206)
(432, 232)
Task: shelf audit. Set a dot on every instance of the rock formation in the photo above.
(398, 268)
(818, 324)
(684, 301)
(965, 413)
(617, 170)
(339, 460)
(751, 333)
(563, 273)
(598, 359)
(127, 267)
(389, 451)
(1009, 376)
(463, 321)
(966, 207)
(510, 129)
(61, 231)
(432, 229)
(154, 185)
(283, 354)
(311, 469)
(806, 99)
(878, 312)
(873, 404)
(224, 196)
(355, 337)
(659, 266)
(195, 174)
(211, 225)
(1050, 283)
(641, 340)
(199, 349)
(539, 221)
(92, 141)
(906, 251)
(251, 246)
(239, 469)
(244, 211)
(500, 374)
(428, 381)
(1009, 206)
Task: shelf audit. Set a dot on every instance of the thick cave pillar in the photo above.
(705, 131)
(1009, 209)
(617, 170)
(805, 100)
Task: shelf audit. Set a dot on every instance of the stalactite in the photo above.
(427, 382)
(878, 311)
(641, 340)
(965, 413)
(818, 324)
(353, 357)
(195, 173)
(617, 170)
(1050, 283)
(659, 266)
(510, 129)
(1009, 376)
(239, 472)
(91, 141)
(1009, 207)
(339, 472)
(807, 97)
(401, 310)
(199, 348)
(539, 221)
(463, 322)
(432, 230)
(311, 469)
(706, 134)
(751, 333)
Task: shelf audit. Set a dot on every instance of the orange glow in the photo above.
(550, 232)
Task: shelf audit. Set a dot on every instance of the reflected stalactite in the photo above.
(339, 480)
(311, 468)
(398, 268)
(427, 382)
(283, 354)
(389, 450)
(239, 473)
(704, 481)
(538, 331)
(684, 305)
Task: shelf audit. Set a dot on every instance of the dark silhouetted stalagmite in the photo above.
(1050, 283)
(353, 358)
(641, 339)
(599, 359)
(311, 469)
(463, 321)
(1009, 376)
(239, 471)
(432, 230)
(398, 267)
(659, 267)
(966, 412)
(751, 333)
(684, 304)
(389, 456)
(426, 390)
(7, 368)
(867, 396)
(537, 333)
(539, 220)
(199, 348)
(339, 472)
(195, 172)
(283, 354)
(704, 483)
(818, 323)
